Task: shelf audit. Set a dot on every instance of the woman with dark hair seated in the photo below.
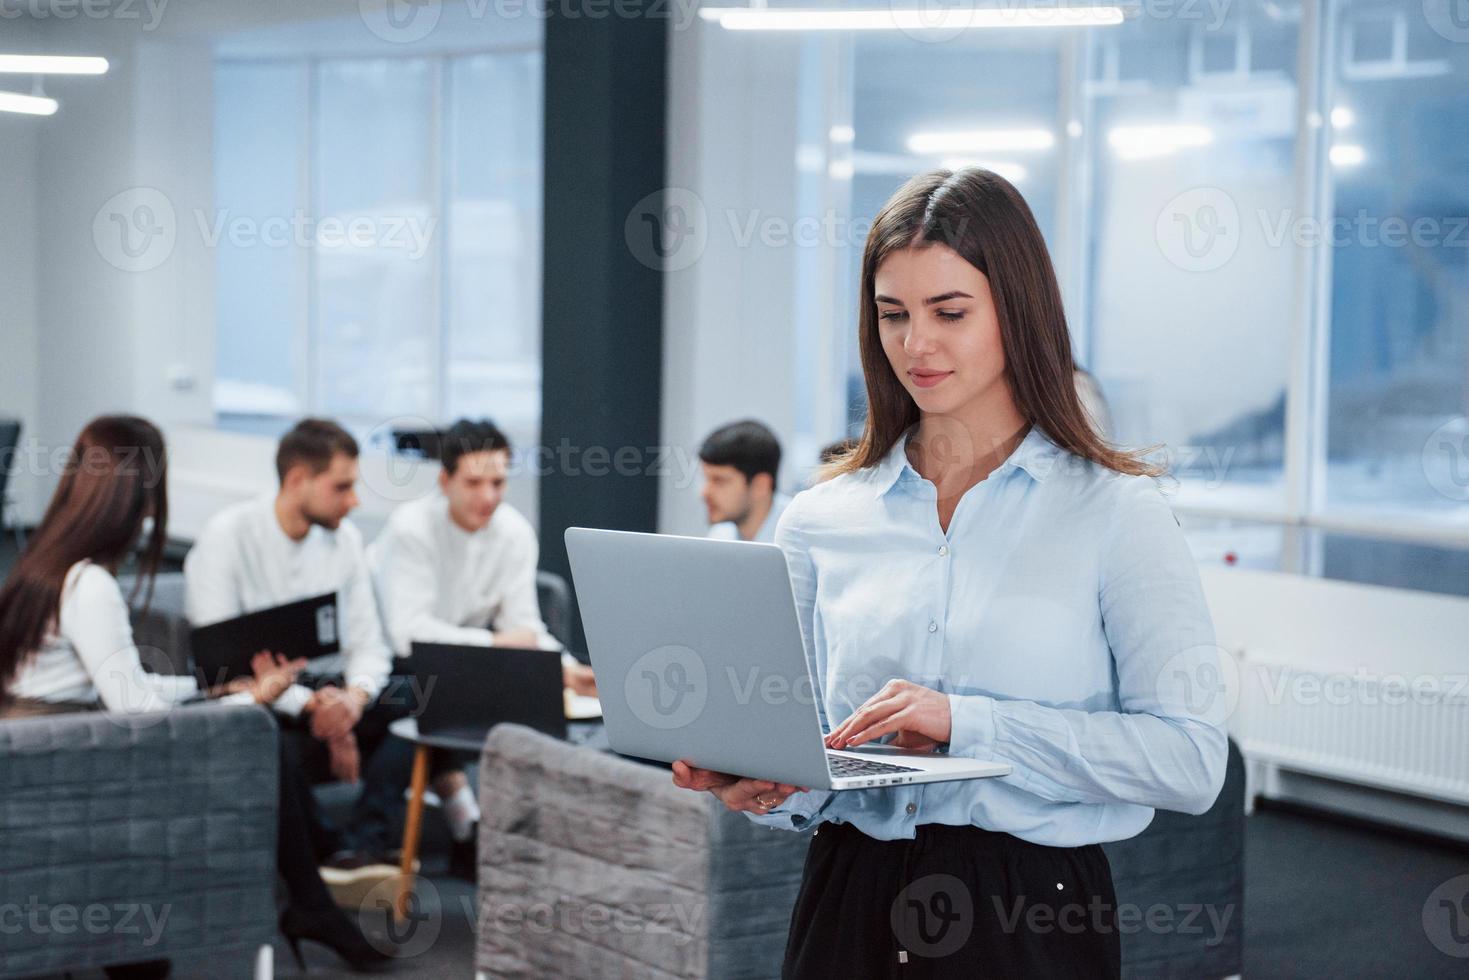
(66, 642)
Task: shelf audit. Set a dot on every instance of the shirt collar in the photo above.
(1036, 455)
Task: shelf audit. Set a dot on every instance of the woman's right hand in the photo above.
(738, 795)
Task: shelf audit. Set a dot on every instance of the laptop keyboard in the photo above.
(843, 766)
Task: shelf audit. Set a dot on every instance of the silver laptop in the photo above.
(699, 656)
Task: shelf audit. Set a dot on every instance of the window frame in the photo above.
(307, 329)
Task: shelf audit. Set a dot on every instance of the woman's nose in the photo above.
(918, 341)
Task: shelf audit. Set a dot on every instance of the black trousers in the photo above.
(953, 902)
(386, 763)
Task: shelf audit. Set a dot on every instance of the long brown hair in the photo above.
(981, 216)
(115, 475)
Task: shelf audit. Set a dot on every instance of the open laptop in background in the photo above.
(699, 656)
(467, 690)
(304, 628)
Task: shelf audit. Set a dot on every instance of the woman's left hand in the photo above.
(919, 715)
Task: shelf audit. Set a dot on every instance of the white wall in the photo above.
(86, 342)
(19, 331)
(729, 317)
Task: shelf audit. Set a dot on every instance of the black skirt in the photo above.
(953, 902)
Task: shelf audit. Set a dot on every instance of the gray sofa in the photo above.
(132, 838)
(592, 866)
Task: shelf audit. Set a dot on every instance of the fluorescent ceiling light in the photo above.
(793, 19)
(1347, 155)
(1144, 142)
(843, 134)
(1342, 117)
(1013, 172)
(982, 141)
(31, 105)
(50, 64)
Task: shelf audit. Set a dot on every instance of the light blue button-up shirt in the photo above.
(1063, 616)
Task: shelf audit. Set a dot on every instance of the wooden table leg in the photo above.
(412, 825)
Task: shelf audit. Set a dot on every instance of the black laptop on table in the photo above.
(465, 691)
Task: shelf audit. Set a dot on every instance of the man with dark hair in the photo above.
(314, 442)
(459, 566)
(740, 463)
(291, 544)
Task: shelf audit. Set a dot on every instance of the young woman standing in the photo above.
(984, 575)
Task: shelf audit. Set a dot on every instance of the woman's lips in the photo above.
(927, 379)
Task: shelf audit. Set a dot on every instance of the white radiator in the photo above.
(1409, 734)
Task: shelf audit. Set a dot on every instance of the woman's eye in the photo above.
(951, 314)
(893, 315)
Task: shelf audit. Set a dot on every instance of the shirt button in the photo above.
(943, 551)
(912, 808)
(932, 626)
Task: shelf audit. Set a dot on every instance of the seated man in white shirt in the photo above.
(293, 544)
(459, 566)
(740, 463)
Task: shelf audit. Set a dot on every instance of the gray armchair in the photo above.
(554, 596)
(593, 866)
(9, 440)
(1190, 866)
(131, 838)
(162, 632)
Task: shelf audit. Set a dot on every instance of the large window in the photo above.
(1259, 214)
(1396, 438)
(1190, 130)
(380, 260)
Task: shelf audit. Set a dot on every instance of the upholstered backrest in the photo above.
(145, 837)
(592, 865)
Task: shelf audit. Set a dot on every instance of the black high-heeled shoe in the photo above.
(334, 929)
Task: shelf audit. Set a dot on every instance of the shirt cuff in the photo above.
(798, 812)
(239, 697)
(972, 726)
(292, 701)
(368, 683)
(569, 660)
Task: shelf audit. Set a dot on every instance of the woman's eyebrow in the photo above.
(953, 294)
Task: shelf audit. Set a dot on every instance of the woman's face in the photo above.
(939, 329)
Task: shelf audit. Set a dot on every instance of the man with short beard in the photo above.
(293, 544)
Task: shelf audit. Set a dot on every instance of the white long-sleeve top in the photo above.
(438, 583)
(90, 654)
(244, 562)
